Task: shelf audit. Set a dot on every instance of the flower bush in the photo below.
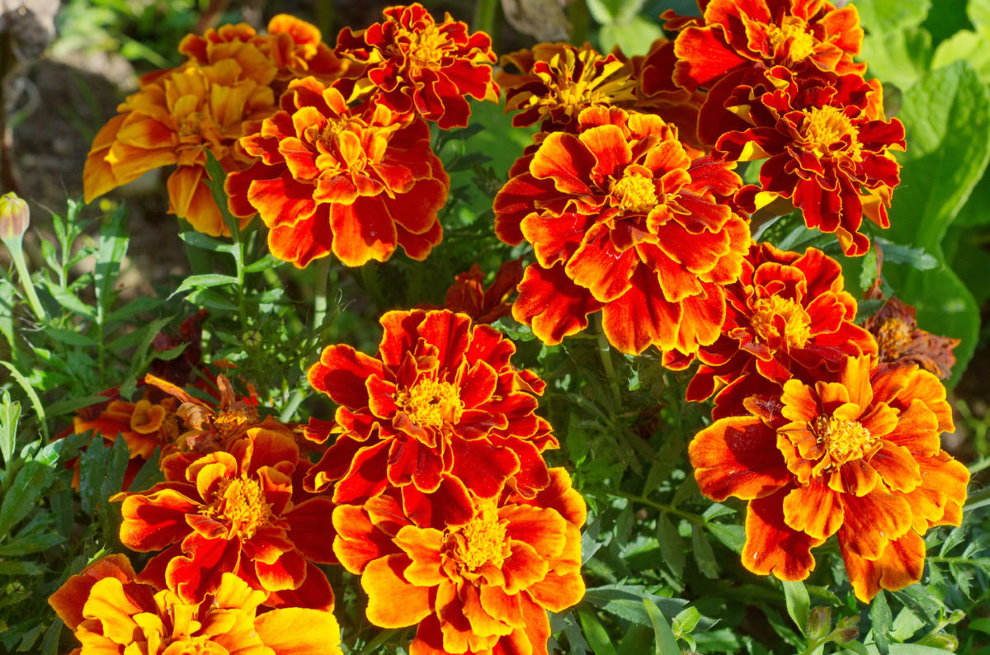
(583, 348)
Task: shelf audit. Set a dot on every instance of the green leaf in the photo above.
(101, 472)
(731, 536)
(671, 545)
(203, 282)
(964, 45)
(20, 546)
(215, 179)
(634, 36)
(703, 554)
(798, 603)
(666, 644)
(10, 414)
(70, 302)
(885, 16)
(20, 568)
(881, 619)
(32, 480)
(685, 622)
(594, 633)
(900, 57)
(70, 337)
(28, 389)
(200, 240)
(109, 254)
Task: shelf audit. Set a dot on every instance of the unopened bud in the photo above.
(14, 216)
(819, 622)
(846, 629)
(941, 641)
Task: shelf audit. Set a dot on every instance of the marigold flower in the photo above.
(422, 66)
(749, 35)
(828, 147)
(112, 613)
(468, 294)
(901, 341)
(355, 182)
(175, 119)
(480, 587)
(788, 316)
(622, 221)
(557, 81)
(856, 453)
(242, 512)
(292, 49)
(437, 412)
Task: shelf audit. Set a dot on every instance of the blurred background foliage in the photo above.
(661, 561)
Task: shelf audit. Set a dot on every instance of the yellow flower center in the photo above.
(194, 646)
(826, 127)
(844, 440)
(797, 323)
(240, 502)
(793, 33)
(481, 541)
(583, 79)
(893, 338)
(634, 193)
(432, 403)
(426, 48)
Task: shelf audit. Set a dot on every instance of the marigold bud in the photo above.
(846, 629)
(819, 622)
(14, 216)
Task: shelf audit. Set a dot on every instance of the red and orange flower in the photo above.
(856, 454)
(556, 81)
(788, 316)
(829, 150)
(900, 340)
(113, 614)
(241, 512)
(418, 65)
(750, 35)
(440, 411)
(481, 587)
(468, 294)
(177, 118)
(622, 221)
(357, 182)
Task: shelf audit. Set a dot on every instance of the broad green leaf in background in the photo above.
(900, 57)
(948, 137)
(798, 603)
(666, 644)
(886, 16)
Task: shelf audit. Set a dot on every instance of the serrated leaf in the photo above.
(881, 619)
(101, 472)
(20, 568)
(798, 603)
(203, 281)
(31, 481)
(666, 643)
(671, 545)
(595, 633)
(67, 300)
(110, 253)
(10, 414)
(70, 337)
(28, 389)
(20, 546)
(703, 554)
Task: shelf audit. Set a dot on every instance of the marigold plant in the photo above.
(111, 612)
(623, 222)
(481, 587)
(357, 182)
(856, 454)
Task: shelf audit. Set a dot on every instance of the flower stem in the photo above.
(605, 354)
(15, 246)
(670, 509)
(320, 300)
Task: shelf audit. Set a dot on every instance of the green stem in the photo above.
(15, 246)
(670, 509)
(484, 16)
(605, 354)
(320, 298)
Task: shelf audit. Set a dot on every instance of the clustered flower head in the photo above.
(782, 85)
(183, 115)
(430, 481)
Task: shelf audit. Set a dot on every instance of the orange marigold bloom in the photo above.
(901, 341)
(175, 119)
(857, 454)
(422, 66)
(557, 81)
(749, 35)
(243, 512)
(468, 294)
(113, 614)
(622, 221)
(481, 587)
(788, 316)
(292, 49)
(438, 412)
(828, 147)
(356, 182)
